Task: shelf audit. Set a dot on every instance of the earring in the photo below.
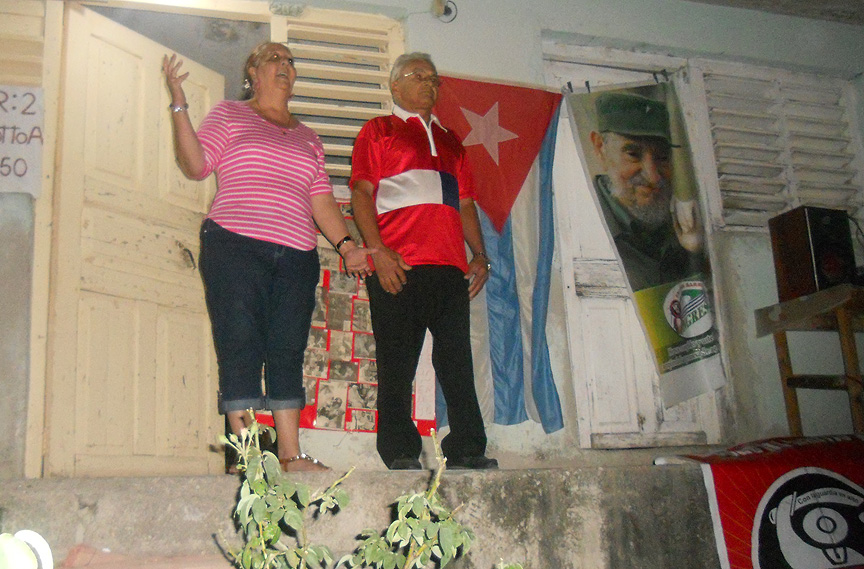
(246, 85)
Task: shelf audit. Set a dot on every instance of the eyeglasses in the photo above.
(279, 58)
(415, 76)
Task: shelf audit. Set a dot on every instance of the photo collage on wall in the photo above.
(340, 372)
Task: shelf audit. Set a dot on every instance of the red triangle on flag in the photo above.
(502, 128)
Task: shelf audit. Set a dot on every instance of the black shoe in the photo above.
(472, 463)
(405, 464)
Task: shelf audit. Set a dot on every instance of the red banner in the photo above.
(788, 503)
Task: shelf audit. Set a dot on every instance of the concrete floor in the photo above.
(85, 556)
(597, 517)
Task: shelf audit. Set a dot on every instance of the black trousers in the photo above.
(435, 299)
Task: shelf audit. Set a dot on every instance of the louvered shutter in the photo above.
(343, 66)
(781, 140)
(21, 42)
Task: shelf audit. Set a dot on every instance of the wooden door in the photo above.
(615, 378)
(132, 373)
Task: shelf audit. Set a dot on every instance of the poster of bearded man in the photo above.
(635, 148)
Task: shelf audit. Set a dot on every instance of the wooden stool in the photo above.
(839, 308)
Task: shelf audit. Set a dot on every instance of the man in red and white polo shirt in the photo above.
(413, 199)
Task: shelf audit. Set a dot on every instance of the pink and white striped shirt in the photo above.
(266, 175)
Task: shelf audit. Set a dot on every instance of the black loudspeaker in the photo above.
(812, 250)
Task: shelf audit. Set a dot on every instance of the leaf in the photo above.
(244, 506)
(274, 502)
(375, 555)
(271, 533)
(272, 467)
(326, 504)
(405, 505)
(259, 510)
(253, 468)
(342, 498)
(467, 539)
(445, 538)
(285, 488)
(325, 553)
(392, 530)
(404, 532)
(294, 519)
(418, 506)
(303, 494)
(260, 487)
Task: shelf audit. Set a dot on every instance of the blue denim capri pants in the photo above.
(260, 297)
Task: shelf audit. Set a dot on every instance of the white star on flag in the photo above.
(485, 130)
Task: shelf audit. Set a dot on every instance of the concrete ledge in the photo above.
(604, 517)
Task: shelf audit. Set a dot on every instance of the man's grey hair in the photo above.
(403, 60)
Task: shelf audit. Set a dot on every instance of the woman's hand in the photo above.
(173, 79)
(356, 259)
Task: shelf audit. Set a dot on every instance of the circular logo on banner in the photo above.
(810, 518)
(687, 309)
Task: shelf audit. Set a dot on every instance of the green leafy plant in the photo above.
(273, 511)
(424, 530)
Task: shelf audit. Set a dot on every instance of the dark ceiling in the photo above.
(843, 11)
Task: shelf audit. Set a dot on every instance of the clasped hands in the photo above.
(356, 260)
(392, 269)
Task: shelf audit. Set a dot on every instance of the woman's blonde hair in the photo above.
(254, 60)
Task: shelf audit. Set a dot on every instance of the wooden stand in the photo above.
(840, 308)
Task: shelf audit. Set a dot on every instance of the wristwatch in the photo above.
(486, 257)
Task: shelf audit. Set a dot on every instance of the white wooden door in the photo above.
(615, 379)
(132, 373)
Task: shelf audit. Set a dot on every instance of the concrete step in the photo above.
(645, 516)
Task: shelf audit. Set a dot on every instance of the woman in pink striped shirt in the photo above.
(259, 261)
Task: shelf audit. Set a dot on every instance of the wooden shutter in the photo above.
(781, 140)
(343, 67)
(21, 40)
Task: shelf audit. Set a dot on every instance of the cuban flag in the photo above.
(509, 135)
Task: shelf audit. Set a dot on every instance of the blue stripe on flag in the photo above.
(543, 384)
(505, 338)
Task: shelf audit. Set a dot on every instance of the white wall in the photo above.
(503, 40)
(16, 243)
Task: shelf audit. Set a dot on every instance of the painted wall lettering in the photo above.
(21, 139)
